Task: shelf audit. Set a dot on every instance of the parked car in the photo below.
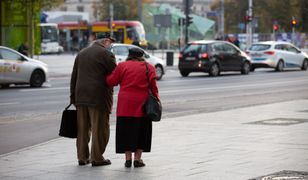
(277, 55)
(212, 57)
(16, 68)
(121, 52)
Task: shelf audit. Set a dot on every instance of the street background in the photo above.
(228, 127)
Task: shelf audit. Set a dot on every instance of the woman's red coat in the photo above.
(131, 76)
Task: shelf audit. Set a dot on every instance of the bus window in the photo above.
(132, 33)
(119, 35)
(49, 34)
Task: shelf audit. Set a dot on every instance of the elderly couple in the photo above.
(94, 74)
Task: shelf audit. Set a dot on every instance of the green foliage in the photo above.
(123, 9)
(48, 5)
(265, 12)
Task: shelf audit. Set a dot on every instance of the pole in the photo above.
(111, 18)
(30, 27)
(249, 25)
(222, 19)
(79, 21)
(140, 10)
(186, 17)
(293, 31)
(181, 33)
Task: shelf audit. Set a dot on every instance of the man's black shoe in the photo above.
(128, 163)
(101, 163)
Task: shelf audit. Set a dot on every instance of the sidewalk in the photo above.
(236, 144)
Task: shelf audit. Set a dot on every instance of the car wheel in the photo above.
(305, 65)
(184, 73)
(5, 85)
(279, 66)
(245, 68)
(37, 78)
(159, 72)
(214, 70)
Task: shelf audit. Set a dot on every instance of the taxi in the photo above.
(15, 68)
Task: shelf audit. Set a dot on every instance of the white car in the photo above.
(16, 68)
(277, 55)
(121, 52)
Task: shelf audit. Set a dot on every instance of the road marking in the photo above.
(230, 87)
(44, 89)
(9, 103)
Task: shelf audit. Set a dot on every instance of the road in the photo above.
(29, 116)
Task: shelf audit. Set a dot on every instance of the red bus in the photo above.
(127, 32)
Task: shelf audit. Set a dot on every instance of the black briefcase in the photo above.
(68, 126)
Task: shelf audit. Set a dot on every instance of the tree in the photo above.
(265, 12)
(123, 9)
(48, 5)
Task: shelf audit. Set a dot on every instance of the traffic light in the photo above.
(248, 18)
(275, 27)
(293, 22)
(189, 20)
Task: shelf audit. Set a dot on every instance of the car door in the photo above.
(218, 53)
(1, 69)
(12, 65)
(120, 52)
(295, 57)
(232, 57)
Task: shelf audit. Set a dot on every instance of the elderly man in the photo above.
(93, 100)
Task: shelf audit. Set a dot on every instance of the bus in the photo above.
(127, 32)
(74, 35)
(50, 38)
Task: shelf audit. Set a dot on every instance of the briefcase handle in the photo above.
(68, 106)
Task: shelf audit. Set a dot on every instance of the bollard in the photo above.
(170, 58)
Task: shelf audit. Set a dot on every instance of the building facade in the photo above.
(89, 6)
(199, 7)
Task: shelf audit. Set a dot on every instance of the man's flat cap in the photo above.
(106, 36)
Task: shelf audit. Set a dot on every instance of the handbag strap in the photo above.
(147, 74)
(68, 106)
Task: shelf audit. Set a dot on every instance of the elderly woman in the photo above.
(133, 130)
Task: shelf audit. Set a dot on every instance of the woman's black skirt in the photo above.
(133, 133)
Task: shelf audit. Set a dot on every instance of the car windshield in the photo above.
(259, 47)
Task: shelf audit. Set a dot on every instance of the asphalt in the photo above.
(237, 144)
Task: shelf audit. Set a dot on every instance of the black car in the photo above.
(212, 57)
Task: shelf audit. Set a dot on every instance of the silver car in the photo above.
(277, 55)
(16, 68)
(121, 52)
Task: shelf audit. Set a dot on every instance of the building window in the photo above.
(80, 8)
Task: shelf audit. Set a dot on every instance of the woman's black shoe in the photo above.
(128, 163)
(138, 163)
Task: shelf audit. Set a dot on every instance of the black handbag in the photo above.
(152, 107)
(68, 126)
